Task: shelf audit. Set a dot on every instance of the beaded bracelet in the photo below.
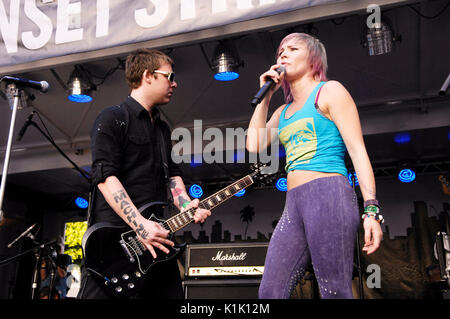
(373, 211)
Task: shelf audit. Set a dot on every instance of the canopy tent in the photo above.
(43, 40)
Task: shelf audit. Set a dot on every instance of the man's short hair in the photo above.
(140, 60)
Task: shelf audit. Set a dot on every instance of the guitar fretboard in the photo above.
(184, 218)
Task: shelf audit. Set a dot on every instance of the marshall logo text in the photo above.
(220, 256)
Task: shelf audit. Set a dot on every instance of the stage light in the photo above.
(281, 152)
(240, 193)
(350, 179)
(406, 175)
(402, 138)
(282, 184)
(79, 86)
(379, 38)
(226, 62)
(239, 156)
(194, 164)
(196, 191)
(81, 202)
(196, 160)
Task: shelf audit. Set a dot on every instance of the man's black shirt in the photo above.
(125, 144)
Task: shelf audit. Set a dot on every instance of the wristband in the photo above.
(373, 211)
(185, 204)
(371, 202)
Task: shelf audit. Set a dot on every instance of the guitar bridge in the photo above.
(136, 245)
(127, 251)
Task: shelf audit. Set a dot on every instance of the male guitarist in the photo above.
(127, 168)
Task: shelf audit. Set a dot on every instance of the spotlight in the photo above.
(406, 175)
(379, 39)
(281, 184)
(81, 202)
(79, 86)
(402, 138)
(226, 62)
(196, 191)
(350, 175)
(196, 160)
(281, 152)
(240, 193)
(239, 156)
(444, 87)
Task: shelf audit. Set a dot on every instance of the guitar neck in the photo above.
(183, 219)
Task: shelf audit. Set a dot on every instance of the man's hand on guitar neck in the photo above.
(200, 213)
(183, 202)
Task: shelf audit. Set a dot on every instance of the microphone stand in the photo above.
(38, 253)
(82, 172)
(53, 271)
(16, 93)
(37, 265)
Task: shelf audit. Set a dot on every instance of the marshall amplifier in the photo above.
(219, 260)
(223, 288)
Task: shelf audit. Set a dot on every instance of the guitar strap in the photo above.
(165, 162)
(91, 202)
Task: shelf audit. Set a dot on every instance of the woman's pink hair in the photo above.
(317, 59)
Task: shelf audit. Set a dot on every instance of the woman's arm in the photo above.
(260, 134)
(338, 103)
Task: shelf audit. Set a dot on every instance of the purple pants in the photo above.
(318, 227)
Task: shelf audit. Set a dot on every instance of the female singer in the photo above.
(317, 125)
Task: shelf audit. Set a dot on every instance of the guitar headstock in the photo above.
(261, 172)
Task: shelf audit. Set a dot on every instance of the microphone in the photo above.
(42, 86)
(25, 126)
(25, 233)
(265, 88)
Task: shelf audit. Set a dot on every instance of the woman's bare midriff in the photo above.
(298, 177)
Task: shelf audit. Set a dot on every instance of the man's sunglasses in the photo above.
(169, 75)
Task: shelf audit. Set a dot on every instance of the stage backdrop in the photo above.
(38, 29)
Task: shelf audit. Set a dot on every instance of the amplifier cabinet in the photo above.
(218, 260)
(243, 288)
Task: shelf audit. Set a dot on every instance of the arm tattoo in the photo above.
(120, 198)
(178, 193)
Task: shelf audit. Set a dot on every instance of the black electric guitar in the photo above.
(121, 263)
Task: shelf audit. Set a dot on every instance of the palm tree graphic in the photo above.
(247, 214)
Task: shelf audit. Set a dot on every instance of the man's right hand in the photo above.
(153, 235)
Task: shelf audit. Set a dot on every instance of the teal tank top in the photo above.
(312, 142)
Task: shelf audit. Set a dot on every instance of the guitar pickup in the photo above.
(127, 251)
(135, 244)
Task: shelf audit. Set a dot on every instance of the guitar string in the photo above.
(242, 183)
